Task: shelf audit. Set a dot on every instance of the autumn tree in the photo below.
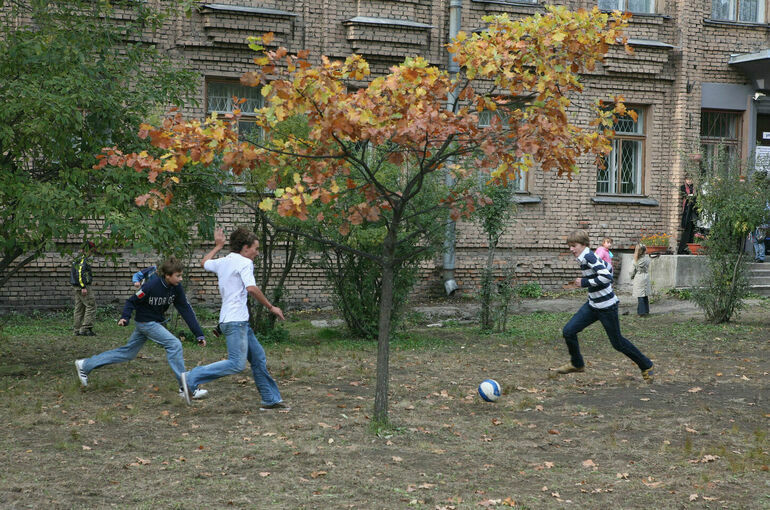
(528, 69)
(72, 82)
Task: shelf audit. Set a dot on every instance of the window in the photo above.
(719, 130)
(750, 11)
(623, 167)
(219, 99)
(643, 6)
(520, 184)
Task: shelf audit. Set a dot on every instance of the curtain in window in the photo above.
(611, 5)
(749, 11)
(723, 9)
(641, 5)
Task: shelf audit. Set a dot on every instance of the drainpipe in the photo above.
(450, 285)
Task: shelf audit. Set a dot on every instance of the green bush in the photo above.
(529, 290)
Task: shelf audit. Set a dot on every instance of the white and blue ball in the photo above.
(489, 390)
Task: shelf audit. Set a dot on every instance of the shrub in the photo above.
(529, 290)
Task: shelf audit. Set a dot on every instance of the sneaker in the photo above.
(216, 331)
(77, 333)
(88, 332)
(649, 374)
(82, 375)
(198, 394)
(568, 368)
(185, 390)
(280, 406)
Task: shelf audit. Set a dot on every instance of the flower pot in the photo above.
(651, 250)
(695, 248)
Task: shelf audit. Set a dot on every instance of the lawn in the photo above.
(696, 438)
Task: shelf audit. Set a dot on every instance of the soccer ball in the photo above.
(489, 390)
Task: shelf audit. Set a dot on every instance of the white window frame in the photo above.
(733, 10)
(627, 5)
(520, 183)
(624, 140)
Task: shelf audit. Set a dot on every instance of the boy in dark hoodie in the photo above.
(150, 303)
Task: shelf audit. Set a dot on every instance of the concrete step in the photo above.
(762, 290)
(759, 280)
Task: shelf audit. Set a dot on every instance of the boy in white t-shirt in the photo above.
(235, 273)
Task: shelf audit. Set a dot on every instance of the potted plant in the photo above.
(655, 243)
(696, 248)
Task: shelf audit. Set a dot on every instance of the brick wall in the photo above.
(665, 79)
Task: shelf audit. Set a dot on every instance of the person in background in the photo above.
(640, 274)
(689, 214)
(142, 275)
(81, 278)
(604, 253)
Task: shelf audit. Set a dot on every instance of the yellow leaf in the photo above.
(266, 204)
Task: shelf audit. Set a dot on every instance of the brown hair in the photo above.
(639, 251)
(241, 237)
(578, 237)
(170, 266)
(606, 239)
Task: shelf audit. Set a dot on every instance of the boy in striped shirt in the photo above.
(602, 306)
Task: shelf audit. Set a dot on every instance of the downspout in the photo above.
(450, 285)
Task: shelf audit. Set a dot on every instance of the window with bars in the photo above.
(719, 131)
(485, 120)
(219, 99)
(640, 6)
(623, 170)
(749, 11)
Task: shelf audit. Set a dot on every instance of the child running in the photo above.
(602, 305)
(151, 302)
(235, 274)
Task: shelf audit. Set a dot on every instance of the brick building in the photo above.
(697, 77)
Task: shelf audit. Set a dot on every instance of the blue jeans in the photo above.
(242, 344)
(143, 331)
(586, 316)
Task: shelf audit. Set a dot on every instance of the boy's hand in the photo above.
(137, 284)
(84, 291)
(579, 282)
(202, 341)
(277, 311)
(122, 322)
(219, 237)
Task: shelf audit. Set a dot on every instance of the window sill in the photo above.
(643, 15)
(526, 198)
(729, 23)
(620, 200)
(509, 2)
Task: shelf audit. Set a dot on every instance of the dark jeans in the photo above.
(586, 316)
(642, 305)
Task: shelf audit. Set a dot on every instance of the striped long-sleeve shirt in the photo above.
(598, 279)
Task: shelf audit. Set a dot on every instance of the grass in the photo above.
(599, 439)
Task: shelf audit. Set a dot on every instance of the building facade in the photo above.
(697, 78)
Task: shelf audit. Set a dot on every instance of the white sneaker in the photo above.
(185, 393)
(196, 395)
(81, 373)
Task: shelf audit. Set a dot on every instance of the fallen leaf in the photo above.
(693, 497)
(589, 463)
(695, 389)
(264, 474)
(496, 421)
(316, 474)
(554, 432)
(644, 399)
(86, 447)
(397, 459)
(691, 430)
(623, 476)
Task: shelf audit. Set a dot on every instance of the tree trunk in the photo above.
(383, 334)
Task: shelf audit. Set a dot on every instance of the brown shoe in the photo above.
(568, 368)
(649, 374)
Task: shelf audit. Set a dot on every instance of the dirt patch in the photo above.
(697, 438)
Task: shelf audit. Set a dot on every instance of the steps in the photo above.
(759, 278)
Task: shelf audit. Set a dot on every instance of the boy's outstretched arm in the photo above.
(219, 243)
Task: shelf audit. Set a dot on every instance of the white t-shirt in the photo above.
(235, 272)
